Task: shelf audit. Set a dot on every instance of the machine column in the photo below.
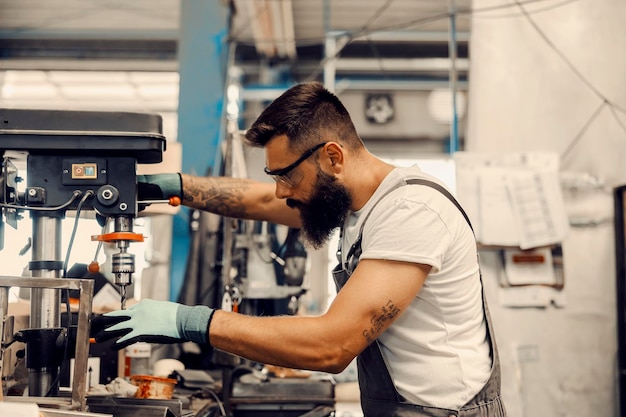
(45, 303)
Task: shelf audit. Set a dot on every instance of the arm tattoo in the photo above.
(388, 312)
(223, 197)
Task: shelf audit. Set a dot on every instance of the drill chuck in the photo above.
(123, 266)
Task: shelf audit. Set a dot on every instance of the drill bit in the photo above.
(123, 293)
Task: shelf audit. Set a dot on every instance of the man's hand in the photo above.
(154, 322)
(159, 186)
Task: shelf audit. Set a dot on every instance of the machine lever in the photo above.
(172, 201)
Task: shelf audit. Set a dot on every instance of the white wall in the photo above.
(537, 92)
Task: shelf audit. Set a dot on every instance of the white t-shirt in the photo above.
(437, 352)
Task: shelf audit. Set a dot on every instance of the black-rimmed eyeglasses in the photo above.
(285, 175)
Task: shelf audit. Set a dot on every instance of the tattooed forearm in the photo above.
(388, 312)
(223, 196)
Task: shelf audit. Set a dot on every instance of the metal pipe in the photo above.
(45, 303)
(330, 62)
(454, 124)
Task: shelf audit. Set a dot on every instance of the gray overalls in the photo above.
(379, 396)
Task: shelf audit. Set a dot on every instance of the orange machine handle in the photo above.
(115, 236)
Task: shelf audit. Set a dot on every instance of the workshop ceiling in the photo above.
(120, 54)
(147, 30)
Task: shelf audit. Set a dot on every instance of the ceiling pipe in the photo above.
(454, 125)
(289, 33)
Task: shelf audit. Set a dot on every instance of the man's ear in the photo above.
(335, 155)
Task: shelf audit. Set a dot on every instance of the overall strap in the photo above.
(443, 191)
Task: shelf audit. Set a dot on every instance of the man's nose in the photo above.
(283, 191)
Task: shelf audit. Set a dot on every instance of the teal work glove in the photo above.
(159, 186)
(154, 322)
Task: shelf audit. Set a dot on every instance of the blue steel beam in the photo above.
(202, 57)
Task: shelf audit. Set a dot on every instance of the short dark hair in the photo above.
(307, 114)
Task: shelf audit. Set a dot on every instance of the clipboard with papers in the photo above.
(512, 199)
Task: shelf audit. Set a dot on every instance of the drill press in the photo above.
(75, 160)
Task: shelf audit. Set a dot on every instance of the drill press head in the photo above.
(122, 262)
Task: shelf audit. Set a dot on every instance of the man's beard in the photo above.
(324, 211)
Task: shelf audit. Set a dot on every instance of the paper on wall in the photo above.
(497, 223)
(512, 199)
(537, 207)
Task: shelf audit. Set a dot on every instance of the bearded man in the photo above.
(410, 304)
